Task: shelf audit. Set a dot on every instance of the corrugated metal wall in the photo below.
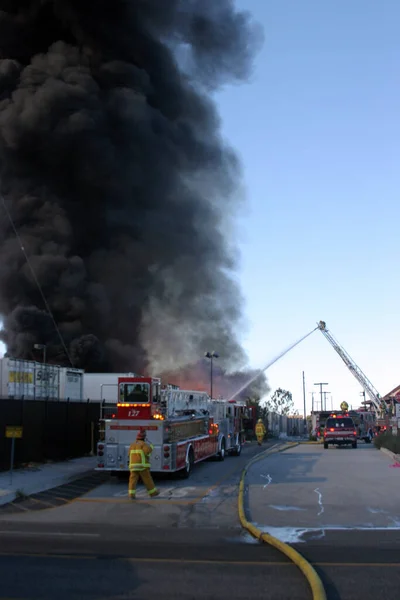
(282, 425)
(52, 430)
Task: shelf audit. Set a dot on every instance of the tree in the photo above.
(281, 402)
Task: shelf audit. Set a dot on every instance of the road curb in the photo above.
(305, 567)
(37, 488)
(393, 456)
(54, 497)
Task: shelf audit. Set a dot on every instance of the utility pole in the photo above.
(304, 397)
(312, 401)
(321, 393)
(325, 393)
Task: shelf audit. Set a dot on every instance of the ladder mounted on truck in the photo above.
(372, 392)
(175, 401)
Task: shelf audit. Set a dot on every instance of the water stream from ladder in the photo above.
(268, 365)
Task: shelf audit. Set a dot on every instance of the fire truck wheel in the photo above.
(185, 473)
(221, 453)
(238, 448)
(237, 451)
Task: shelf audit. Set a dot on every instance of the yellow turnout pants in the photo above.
(147, 479)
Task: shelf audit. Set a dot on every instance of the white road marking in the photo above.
(178, 492)
(377, 511)
(284, 508)
(319, 501)
(293, 535)
(318, 537)
(269, 480)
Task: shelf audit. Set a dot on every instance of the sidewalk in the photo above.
(38, 478)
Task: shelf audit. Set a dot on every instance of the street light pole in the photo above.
(211, 356)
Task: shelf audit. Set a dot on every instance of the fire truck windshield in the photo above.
(134, 392)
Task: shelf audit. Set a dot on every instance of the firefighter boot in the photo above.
(133, 480)
(149, 483)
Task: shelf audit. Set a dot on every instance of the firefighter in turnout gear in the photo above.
(260, 431)
(139, 466)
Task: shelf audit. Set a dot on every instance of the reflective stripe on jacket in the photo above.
(260, 429)
(139, 453)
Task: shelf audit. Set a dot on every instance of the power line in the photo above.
(36, 280)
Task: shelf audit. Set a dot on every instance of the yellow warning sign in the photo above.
(14, 431)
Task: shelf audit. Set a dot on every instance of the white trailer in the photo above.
(32, 380)
(102, 387)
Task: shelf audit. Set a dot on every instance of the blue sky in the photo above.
(318, 131)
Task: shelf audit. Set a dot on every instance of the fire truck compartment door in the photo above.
(111, 456)
(155, 459)
(224, 427)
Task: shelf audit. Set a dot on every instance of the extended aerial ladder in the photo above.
(369, 389)
(378, 405)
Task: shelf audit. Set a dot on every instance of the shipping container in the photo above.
(99, 387)
(30, 380)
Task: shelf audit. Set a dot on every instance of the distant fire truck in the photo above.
(363, 420)
(185, 427)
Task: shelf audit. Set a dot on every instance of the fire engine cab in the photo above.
(339, 431)
(185, 427)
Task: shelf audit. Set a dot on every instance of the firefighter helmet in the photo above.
(141, 435)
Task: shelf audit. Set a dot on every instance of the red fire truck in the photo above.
(185, 427)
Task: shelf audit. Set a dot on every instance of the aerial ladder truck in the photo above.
(381, 409)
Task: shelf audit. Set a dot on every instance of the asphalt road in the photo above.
(185, 544)
(188, 543)
(340, 509)
(75, 561)
(207, 499)
(307, 491)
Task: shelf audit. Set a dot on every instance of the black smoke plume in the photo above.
(118, 181)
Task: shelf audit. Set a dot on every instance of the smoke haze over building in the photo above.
(119, 183)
